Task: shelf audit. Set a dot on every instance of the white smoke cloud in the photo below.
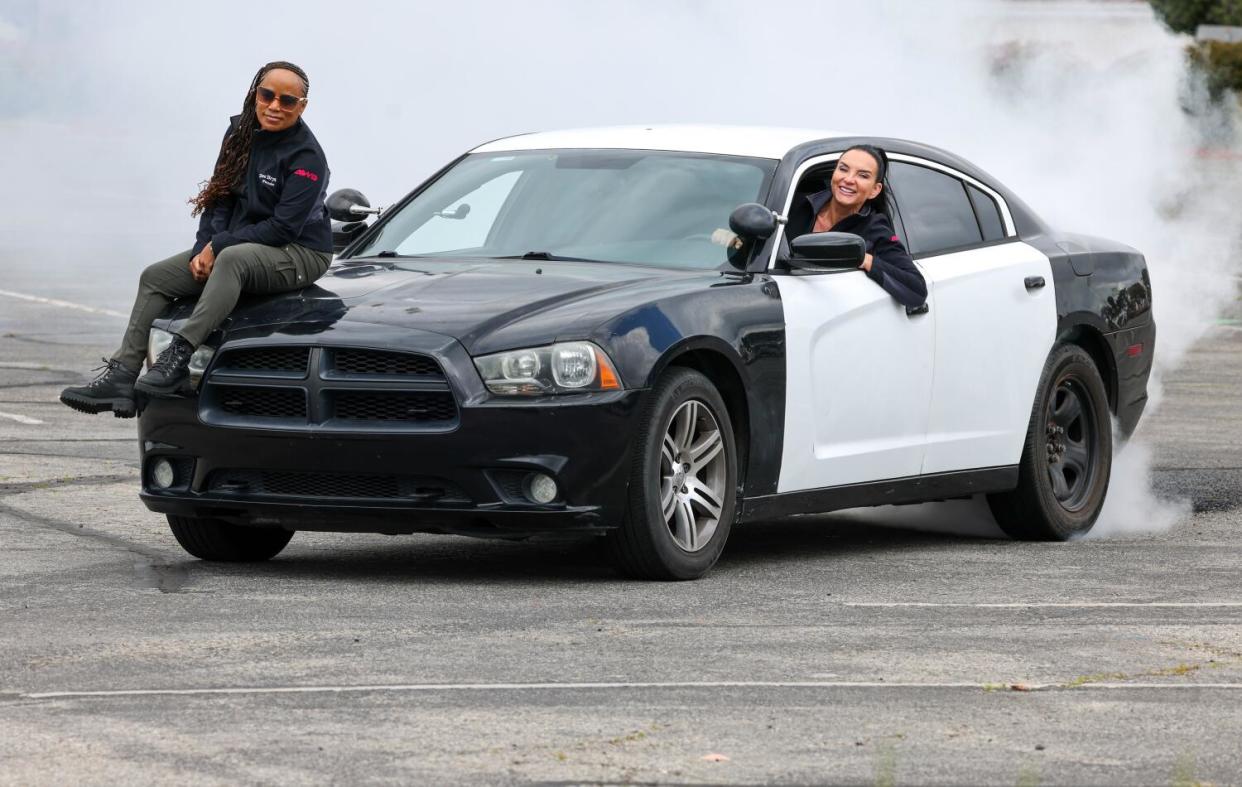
(9, 32)
(115, 111)
(1132, 506)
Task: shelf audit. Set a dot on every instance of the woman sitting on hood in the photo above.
(264, 229)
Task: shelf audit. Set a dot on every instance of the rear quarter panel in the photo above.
(1104, 296)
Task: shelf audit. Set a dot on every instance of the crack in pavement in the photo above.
(154, 569)
(46, 455)
(21, 487)
(35, 366)
(42, 341)
(66, 440)
(60, 381)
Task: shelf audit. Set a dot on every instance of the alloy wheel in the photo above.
(693, 475)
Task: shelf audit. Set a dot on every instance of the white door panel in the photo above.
(993, 336)
(859, 376)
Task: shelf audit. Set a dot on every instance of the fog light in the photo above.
(162, 474)
(540, 488)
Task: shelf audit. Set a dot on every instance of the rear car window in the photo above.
(934, 208)
(988, 214)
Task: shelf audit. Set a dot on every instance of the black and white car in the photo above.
(543, 338)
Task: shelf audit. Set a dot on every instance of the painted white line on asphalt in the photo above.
(1156, 686)
(1052, 604)
(21, 296)
(483, 687)
(21, 419)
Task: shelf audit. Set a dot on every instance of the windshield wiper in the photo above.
(390, 253)
(543, 255)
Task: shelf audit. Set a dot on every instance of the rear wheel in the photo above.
(682, 483)
(214, 539)
(1066, 461)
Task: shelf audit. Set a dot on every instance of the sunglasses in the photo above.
(266, 95)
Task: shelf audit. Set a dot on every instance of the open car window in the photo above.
(819, 178)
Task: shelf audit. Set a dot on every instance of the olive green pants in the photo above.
(250, 268)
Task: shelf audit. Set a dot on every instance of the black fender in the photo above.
(733, 332)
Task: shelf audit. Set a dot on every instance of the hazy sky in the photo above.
(127, 101)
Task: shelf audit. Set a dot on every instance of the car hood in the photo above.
(487, 305)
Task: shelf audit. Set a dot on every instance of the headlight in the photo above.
(159, 340)
(568, 367)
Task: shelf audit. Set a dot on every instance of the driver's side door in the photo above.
(858, 376)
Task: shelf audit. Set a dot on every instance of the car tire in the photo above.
(1066, 461)
(682, 486)
(216, 540)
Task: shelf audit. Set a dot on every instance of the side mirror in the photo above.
(752, 221)
(829, 249)
(344, 233)
(341, 204)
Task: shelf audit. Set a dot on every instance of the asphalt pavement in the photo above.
(824, 650)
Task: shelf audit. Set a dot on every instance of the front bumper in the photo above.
(465, 479)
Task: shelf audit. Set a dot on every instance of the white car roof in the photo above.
(754, 141)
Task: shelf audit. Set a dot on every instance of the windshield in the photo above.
(652, 208)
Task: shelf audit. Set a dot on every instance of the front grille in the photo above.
(261, 402)
(367, 362)
(393, 406)
(262, 483)
(327, 389)
(266, 359)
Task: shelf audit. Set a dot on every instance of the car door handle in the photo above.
(914, 311)
(1033, 282)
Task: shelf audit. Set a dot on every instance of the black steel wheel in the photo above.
(682, 484)
(1064, 471)
(214, 539)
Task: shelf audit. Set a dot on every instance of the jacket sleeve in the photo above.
(215, 218)
(891, 265)
(305, 178)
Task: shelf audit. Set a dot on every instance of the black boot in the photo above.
(112, 390)
(169, 371)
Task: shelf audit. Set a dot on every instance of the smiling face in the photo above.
(854, 180)
(279, 99)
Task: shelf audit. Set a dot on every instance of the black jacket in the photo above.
(281, 198)
(891, 265)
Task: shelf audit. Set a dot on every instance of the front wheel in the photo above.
(1068, 455)
(682, 483)
(214, 539)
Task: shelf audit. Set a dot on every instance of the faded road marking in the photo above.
(1053, 604)
(499, 687)
(21, 419)
(21, 296)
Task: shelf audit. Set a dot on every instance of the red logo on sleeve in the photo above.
(894, 239)
(306, 174)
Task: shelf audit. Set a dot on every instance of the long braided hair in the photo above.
(235, 151)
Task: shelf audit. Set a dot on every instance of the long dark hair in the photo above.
(235, 151)
(880, 201)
